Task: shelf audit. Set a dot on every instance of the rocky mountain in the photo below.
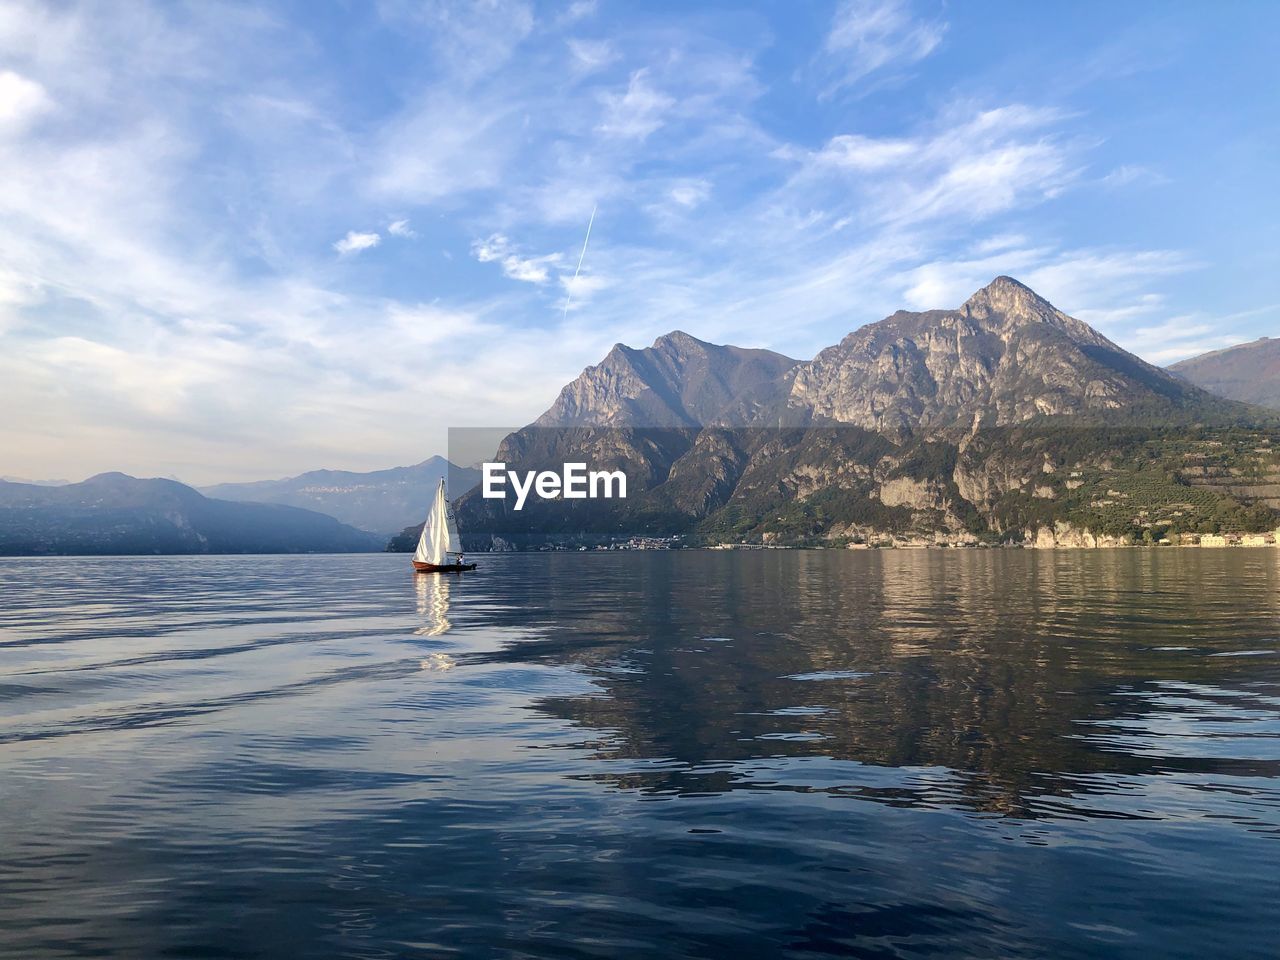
(1005, 356)
(998, 420)
(380, 501)
(1248, 372)
(680, 381)
(117, 514)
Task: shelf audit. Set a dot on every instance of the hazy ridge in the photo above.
(112, 513)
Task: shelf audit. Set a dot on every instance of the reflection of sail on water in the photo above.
(433, 606)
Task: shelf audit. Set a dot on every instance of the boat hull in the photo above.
(420, 567)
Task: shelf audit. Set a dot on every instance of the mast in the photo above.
(454, 542)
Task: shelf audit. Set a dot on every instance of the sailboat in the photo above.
(439, 549)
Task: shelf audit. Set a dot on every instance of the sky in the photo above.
(246, 241)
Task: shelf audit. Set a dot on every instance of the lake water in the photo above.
(786, 754)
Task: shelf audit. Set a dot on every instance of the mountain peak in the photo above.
(678, 338)
(1007, 297)
(679, 381)
(1006, 282)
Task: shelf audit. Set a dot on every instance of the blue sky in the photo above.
(247, 241)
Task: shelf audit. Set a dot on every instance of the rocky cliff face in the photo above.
(1060, 535)
(680, 381)
(1248, 372)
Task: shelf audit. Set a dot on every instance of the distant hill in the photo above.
(113, 513)
(1248, 372)
(380, 501)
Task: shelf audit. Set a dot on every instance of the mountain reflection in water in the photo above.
(1018, 683)
(676, 754)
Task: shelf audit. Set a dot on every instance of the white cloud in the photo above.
(582, 286)
(441, 147)
(638, 112)
(1133, 309)
(854, 152)
(526, 271)
(354, 242)
(498, 248)
(568, 197)
(17, 289)
(401, 228)
(21, 101)
(989, 182)
(691, 193)
(1130, 174)
(579, 10)
(871, 35)
(473, 38)
(494, 248)
(579, 291)
(591, 55)
(974, 165)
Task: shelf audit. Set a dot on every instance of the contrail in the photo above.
(569, 293)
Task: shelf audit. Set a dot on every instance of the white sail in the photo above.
(439, 534)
